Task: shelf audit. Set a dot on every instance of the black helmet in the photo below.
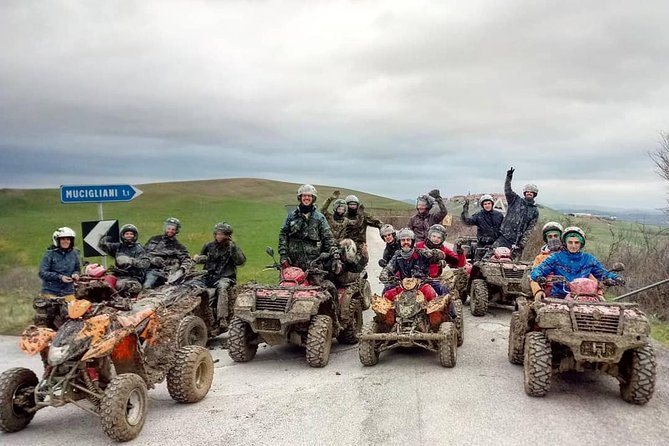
(128, 227)
(223, 227)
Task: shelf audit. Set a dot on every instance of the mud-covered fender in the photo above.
(345, 297)
(381, 305)
(106, 345)
(438, 304)
(34, 339)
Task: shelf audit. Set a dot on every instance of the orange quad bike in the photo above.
(410, 320)
(103, 359)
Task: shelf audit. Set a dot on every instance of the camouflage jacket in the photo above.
(55, 264)
(222, 261)
(420, 223)
(356, 229)
(304, 236)
(337, 225)
(521, 217)
(130, 249)
(170, 250)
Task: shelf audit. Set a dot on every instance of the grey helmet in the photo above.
(486, 197)
(223, 227)
(531, 188)
(406, 233)
(437, 228)
(387, 229)
(307, 189)
(429, 201)
(552, 226)
(171, 221)
(128, 227)
(352, 199)
(572, 230)
(63, 233)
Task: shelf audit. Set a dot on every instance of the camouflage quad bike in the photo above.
(197, 327)
(583, 332)
(415, 322)
(301, 310)
(103, 359)
(497, 281)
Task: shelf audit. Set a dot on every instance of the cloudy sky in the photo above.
(388, 97)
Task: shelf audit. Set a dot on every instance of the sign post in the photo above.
(107, 193)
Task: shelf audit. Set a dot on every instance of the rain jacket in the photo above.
(55, 264)
(303, 237)
(222, 261)
(487, 224)
(133, 250)
(420, 223)
(521, 217)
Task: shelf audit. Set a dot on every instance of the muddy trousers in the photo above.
(128, 286)
(50, 310)
(220, 301)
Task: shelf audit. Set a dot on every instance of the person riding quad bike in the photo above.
(358, 220)
(59, 269)
(131, 262)
(166, 254)
(221, 257)
(389, 236)
(423, 219)
(337, 217)
(570, 263)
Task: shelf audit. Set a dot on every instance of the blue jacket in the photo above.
(55, 264)
(571, 266)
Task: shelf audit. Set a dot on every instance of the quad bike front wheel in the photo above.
(16, 398)
(537, 364)
(516, 340)
(460, 322)
(478, 304)
(241, 347)
(319, 341)
(123, 407)
(637, 380)
(367, 350)
(448, 347)
(349, 335)
(192, 331)
(189, 380)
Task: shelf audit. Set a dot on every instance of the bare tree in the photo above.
(661, 159)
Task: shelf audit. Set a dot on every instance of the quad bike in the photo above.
(103, 359)
(497, 281)
(583, 332)
(301, 310)
(410, 320)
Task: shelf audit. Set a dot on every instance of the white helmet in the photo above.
(352, 199)
(62, 233)
(551, 226)
(307, 189)
(486, 197)
(406, 233)
(571, 231)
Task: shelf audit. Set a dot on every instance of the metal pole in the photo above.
(631, 293)
(101, 217)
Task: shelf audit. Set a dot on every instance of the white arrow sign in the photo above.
(92, 239)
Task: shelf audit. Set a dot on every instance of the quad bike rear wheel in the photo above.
(192, 331)
(638, 375)
(516, 340)
(448, 347)
(189, 380)
(123, 407)
(319, 341)
(537, 364)
(349, 335)
(367, 350)
(241, 347)
(479, 299)
(460, 322)
(16, 395)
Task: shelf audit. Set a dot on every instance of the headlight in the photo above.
(302, 306)
(58, 355)
(245, 300)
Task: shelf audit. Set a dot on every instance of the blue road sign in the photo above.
(98, 193)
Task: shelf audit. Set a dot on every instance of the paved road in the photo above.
(406, 399)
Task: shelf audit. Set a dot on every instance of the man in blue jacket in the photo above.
(59, 269)
(571, 263)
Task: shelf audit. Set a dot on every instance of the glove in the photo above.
(509, 173)
(465, 207)
(542, 281)
(619, 281)
(336, 194)
(614, 281)
(123, 260)
(158, 261)
(539, 296)
(434, 193)
(426, 252)
(199, 258)
(383, 263)
(384, 277)
(458, 247)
